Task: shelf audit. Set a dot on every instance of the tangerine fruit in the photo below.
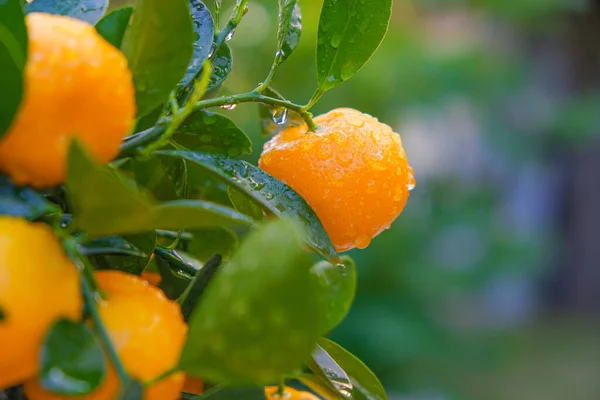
(272, 393)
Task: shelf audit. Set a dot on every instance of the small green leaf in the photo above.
(350, 31)
(244, 205)
(204, 31)
(329, 371)
(229, 393)
(112, 26)
(336, 285)
(159, 46)
(104, 205)
(289, 29)
(365, 383)
(23, 201)
(267, 191)
(212, 132)
(71, 359)
(258, 318)
(221, 63)
(86, 10)
(140, 249)
(196, 287)
(13, 55)
(205, 243)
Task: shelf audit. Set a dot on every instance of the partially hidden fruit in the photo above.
(272, 393)
(352, 171)
(38, 286)
(193, 385)
(77, 85)
(147, 331)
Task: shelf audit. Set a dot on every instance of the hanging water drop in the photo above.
(411, 182)
(229, 35)
(228, 106)
(280, 115)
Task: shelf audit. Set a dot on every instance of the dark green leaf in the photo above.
(140, 246)
(196, 287)
(23, 201)
(71, 359)
(174, 279)
(212, 132)
(119, 245)
(221, 63)
(205, 243)
(104, 205)
(336, 286)
(86, 10)
(158, 45)
(329, 371)
(204, 32)
(229, 393)
(244, 205)
(164, 177)
(349, 33)
(267, 191)
(133, 390)
(366, 385)
(13, 55)
(259, 318)
(112, 26)
(289, 29)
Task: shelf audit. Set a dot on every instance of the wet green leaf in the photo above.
(159, 46)
(222, 63)
(139, 248)
(365, 383)
(336, 285)
(204, 33)
(71, 359)
(86, 10)
(175, 270)
(329, 371)
(258, 318)
(289, 29)
(244, 205)
(197, 286)
(13, 55)
(23, 201)
(320, 385)
(350, 31)
(104, 205)
(205, 243)
(164, 177)
(113, 25)
(267, 191)
(212, 132)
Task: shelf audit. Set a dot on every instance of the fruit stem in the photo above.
(71, 247)
(281, 389)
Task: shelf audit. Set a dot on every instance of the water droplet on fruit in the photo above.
(362, 241)
(324, 152)
(356, 122)
(228, 106)
(412, 182)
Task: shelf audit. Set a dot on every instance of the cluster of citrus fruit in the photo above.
(352, 171)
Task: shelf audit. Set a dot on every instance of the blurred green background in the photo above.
(488, 285)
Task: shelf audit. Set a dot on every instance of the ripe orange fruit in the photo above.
(77, 85)
(153, 278)
(193, 385)
(272, 393)
(147, 331)
(352, 171)
(38, 286)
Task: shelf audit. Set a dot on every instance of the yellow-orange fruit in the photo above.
(77, 85)
(352, 171)
(147, 331)
(38, 286)
(272, 393)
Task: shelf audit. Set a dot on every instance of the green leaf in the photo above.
(112, 26)
(319, 385)
(158, 46)
(289, 29)
(221, 63)
(259, 318)
(140, 248)
(204, 31)
(330, 372)
(23, 201)
(267, 191)
(71, 359)
(229, 393)
(205, 243)
(196, 287)
(104, 205)
(366, 385)
(86, 10)
(13, 55)
(336, 285)
(244, 205)
(164, 177)
(350, 31)
(212, 132)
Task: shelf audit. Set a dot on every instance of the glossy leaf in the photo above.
(267, 191)
(205, 243)
(164, 177)
(86, 10)
(174, 279)
(204, 31)
(212, 132)
(196, 287)
(221, 63)
(113, 25)
(104, 205)
(258, 318)
(320, 386)
(13, 55)
(23, 201)
(336, 285)
(244, 205)
(325, 367)
(158, 46)
(289, 29)
(365, 383)
(140, 246)
(71, 359)
(350, 31)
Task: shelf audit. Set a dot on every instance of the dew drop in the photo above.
(356, 122)
(280, 115)
(228, 106)
(230, 35)
(205, 138)
(412, 182)
(335, 41)
(362, 241)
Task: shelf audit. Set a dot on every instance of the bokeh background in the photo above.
(488, 285)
